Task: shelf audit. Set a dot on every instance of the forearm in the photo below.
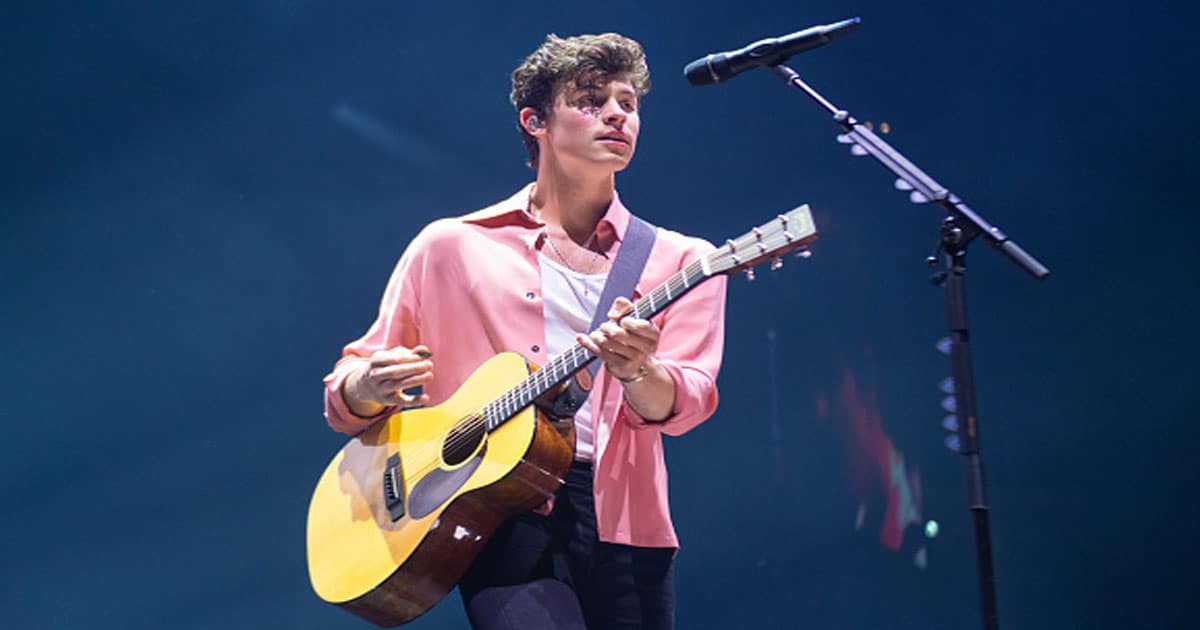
(354, 399)
(651, 395)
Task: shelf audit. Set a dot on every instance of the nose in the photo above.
(613, 114)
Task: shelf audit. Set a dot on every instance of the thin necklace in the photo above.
(591, 263)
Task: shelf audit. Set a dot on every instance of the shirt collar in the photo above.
(515, 211)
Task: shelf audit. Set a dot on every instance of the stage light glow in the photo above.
(931, 529)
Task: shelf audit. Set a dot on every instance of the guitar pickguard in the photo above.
(439, 485)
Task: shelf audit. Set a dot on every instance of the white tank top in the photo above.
(569, 301)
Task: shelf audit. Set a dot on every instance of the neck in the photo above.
(574, 202)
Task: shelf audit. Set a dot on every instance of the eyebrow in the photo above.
(592, 87)
(622, 93)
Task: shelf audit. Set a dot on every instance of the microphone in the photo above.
(772, 51)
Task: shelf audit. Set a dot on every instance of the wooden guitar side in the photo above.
(391, 572)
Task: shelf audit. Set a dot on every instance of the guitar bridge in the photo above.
(393, 488)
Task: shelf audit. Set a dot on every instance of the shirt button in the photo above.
(530, 295)
(536, 348)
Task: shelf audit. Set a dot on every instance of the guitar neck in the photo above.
(787, 232)
(577, 357)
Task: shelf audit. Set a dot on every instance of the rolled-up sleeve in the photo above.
(396, 325)
(690, 346)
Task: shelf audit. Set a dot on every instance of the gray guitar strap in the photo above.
(622, 280)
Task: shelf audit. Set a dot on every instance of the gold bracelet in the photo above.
(641, 374)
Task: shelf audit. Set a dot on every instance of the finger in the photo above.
(640, 327)
(616, 351)
(619, 345)
(600, 345)
(643, 338)
(385, 358)
(644, 334)
(408, 382)
(406, 401)
(399, 371)
(611, 329)
(612, 342)
(589, 343)
(620, 307)
(635, 344)
(399, 355)
(394, 390)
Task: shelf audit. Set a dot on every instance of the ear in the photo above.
(533, 124)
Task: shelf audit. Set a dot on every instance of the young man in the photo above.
(525, 275)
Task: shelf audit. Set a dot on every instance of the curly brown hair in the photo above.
(580, 60)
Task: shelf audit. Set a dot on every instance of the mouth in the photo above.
(614, 137)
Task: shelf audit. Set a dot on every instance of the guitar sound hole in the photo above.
(462, 441)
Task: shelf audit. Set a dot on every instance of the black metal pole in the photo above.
(959, 228)
(953, 280)
(971, 222)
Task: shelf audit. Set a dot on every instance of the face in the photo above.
(593, 126)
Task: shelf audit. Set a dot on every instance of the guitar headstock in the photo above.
(785, 233)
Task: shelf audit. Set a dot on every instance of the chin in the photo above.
(620, 162)
(609, 162)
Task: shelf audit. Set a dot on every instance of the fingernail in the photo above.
(424, 354)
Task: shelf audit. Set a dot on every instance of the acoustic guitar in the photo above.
(403, 509)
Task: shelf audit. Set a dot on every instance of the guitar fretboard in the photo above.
(577, 357)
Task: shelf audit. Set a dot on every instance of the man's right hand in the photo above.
(381, 381)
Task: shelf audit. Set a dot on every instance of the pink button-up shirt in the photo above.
(470, 287)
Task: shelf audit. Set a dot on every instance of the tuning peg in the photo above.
(776, 263)
(750, 274)
(916, 197)
(804, 254)
(844, 139)
(858, 150)
(902, 184)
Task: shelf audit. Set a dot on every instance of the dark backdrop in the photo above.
(201, 202)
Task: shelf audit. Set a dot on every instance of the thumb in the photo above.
(619, 308)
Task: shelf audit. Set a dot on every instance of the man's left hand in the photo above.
(625, 345)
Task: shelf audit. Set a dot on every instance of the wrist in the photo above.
(639, 375)
(356, 402)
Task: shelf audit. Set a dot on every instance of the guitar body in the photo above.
(389, 560)
(405, 507)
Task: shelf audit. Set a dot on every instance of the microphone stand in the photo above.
(960, 226)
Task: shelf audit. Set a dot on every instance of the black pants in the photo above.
(553, 572)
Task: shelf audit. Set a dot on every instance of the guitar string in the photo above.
(522, 391)
(469, 429)
(462, 432)
(767, 246)
(476, 421)
(465, 431)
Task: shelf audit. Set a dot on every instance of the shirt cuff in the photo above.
(337, 413)
(636, 420)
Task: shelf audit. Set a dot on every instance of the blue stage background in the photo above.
(201, 203)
